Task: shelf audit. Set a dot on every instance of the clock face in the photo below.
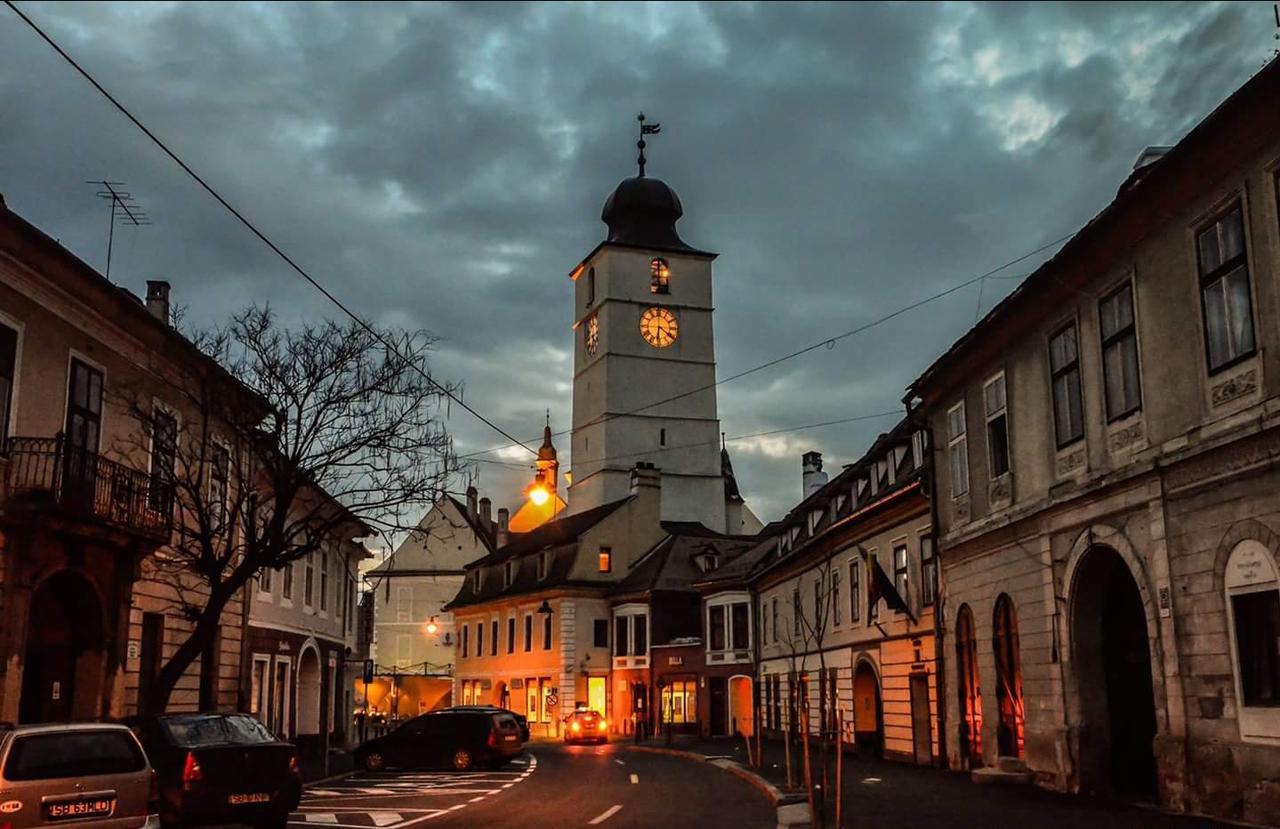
(592, 334)
(659, 328)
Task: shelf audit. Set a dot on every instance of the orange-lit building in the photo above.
(542, 501)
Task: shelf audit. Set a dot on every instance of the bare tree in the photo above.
(274, 445)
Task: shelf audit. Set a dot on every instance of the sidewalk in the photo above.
(879, 794)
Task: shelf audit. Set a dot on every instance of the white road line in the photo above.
(619, 762)
(322, 817)
(635, 778)
(385, 818)
(606, 814)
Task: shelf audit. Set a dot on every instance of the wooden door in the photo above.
(921, 719)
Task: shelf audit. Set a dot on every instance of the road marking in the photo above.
(322, 817)
(619, 762)
(384, 818)
(606, 814)
(871, 780)
(635, 778)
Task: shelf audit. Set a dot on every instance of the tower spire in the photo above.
(645, 129)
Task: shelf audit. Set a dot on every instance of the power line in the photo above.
(830, 342)
(262, 236)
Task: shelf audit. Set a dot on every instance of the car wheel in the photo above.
(373, 761)
(462, 759)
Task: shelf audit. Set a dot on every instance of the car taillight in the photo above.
(576, 726)
(493, 739)
(293, 764)
(601, 725)
(191, 771)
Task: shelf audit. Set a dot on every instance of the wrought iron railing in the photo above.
(86, 485)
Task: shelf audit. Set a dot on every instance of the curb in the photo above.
(775, 795)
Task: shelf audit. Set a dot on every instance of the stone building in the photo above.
(86, 503)
(845, 594)
(1107, 441)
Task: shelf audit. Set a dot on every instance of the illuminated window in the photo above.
(659, 277)
(680, 702)
(606, 559)
(900, 564)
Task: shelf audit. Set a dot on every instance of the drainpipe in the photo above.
(939, 604)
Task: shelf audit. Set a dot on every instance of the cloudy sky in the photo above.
(443, 167)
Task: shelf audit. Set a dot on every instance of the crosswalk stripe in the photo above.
(321, 817)
(385, 818)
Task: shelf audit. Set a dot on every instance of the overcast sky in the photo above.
(443, 167)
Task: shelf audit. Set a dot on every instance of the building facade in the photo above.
(86, 501)
(1108, 453)
(845, 599)
(532, 618)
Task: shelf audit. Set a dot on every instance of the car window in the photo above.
(73, 754)
(197, 732)
(506, 723)
(416, 727)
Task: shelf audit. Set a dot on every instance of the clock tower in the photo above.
(644, 362)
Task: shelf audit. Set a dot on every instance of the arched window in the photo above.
(969, 687)
(1253, 610)
(659, 277)
(1008, 677)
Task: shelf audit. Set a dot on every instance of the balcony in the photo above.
(86, 487)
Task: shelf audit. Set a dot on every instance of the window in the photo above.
(74, 754)
(324, 581)
(1224, 291)
(528, 633)
(511, 634)
(957, 451)
(1121, 379)
(286, 582)
(544, 560)
(164, 457)
(993, 396)
(928, 571)
(493, 638)
(662, 437)
(900, 570)
(219, 474)
(795, 612)
(404, 604)
(680, 702)
(600, 633)
(716, 627)
(309, 580)
(641, 635)
(835, 597)
(264, 579)
(621, 641)
(84, 410)
(855, 597)
(546, 631)
(659, 277)
(1064, 370)
(1253, 598)
(591, 286)
(8, 373)
(740, 626)
(479, 638)
(873, 606)
(465, 630)
(775, 619)
(764, 623)
(606, 559)
(510, 573)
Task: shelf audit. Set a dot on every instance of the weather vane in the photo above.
(645, 129)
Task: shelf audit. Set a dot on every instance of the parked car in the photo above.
(585, 726)
(521, 719)
(220, 768)
(88, 774)
(452, 738)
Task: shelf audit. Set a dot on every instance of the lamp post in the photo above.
(545, 610)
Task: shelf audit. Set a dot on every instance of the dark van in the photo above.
(445, 739)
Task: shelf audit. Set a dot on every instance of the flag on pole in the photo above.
(880, 586)
(650, 129)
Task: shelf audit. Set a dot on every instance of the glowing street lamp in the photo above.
(432, 627)
(538, 493)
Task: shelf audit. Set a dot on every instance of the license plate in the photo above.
(80, 808)
(253, 797)
(510, 737)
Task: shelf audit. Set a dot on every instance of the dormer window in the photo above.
(544, 564)
(837, 506)
(510, 573)
(659, 277)
(795, 534)
(477, 580)
(815, 518)
(861, 496)
(708, 562)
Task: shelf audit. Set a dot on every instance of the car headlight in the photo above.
(577, 726)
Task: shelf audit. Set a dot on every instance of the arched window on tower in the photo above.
(659, 277)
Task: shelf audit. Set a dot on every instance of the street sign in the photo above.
(368, 671)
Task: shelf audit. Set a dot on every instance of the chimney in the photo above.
(812, 477)
(486, 515)
(158, 299)
(471, 503)
(504, 535)
(644, 477)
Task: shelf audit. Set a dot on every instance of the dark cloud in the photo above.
(443, 166)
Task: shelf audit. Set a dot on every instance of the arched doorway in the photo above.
(740, 706)
(1113, 672)
(866, 709)
(970, 689)
(65, 661)
(1004, 641)
(308, 719)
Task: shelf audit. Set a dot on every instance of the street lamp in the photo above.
(432, 627)
(545, 607)
(538, 493)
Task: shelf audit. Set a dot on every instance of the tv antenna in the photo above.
(125, 210)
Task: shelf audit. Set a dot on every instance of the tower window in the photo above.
(662, 437)
(591, 286)
(606, 559)
(659, 277)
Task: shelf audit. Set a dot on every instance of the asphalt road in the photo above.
(555, 786)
